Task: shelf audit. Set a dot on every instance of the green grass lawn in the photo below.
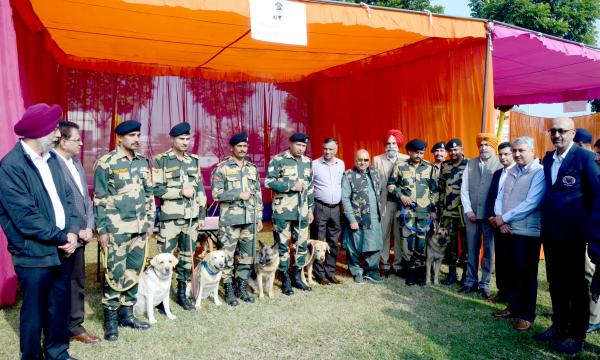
(348, 321)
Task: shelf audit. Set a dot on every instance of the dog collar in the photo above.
(204, 264)
(414, 229)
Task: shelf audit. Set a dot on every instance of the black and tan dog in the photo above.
(436, 249)
(265, 268)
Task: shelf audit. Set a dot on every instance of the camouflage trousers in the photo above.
(283, 231)
(241, 237)
(456, 228)
(125, 262)
(177, 236)
(415, 241)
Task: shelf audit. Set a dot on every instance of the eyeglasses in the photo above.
(560, 131)
(363, 160)
(76, 141)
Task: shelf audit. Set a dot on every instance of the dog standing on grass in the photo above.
(436, 249)
(265, 268)
(155, 285)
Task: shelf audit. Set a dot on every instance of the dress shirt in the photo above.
(73, 170)
(41, 163)
(558, 159)
(327, 180)
(534, 196)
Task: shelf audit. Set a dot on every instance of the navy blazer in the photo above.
(490, 201)
(570, 203)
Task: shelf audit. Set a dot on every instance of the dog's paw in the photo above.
(428, 283)
(198, 306)
(152, 321)
(171, 316)
(271, 295)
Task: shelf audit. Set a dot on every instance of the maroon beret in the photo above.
(38, 121)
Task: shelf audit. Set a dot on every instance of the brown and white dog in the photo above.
(317, 249)
(436, 249)
(155, 285)
(208, 274)
(265, 268)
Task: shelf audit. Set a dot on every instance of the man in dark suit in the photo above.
(500, 249)
(570, 201)
(67, 149)
(37, 217)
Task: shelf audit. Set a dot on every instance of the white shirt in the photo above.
(41, 163)
(498, 206)
(558, 159)
(73, 170)
(327, 180)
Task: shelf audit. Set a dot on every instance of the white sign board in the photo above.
(278, 21)
(574, 106)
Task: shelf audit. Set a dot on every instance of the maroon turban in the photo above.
(38, 121)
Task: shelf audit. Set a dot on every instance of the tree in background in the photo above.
(568, 19)
(419, 5)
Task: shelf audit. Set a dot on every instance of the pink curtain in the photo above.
(11, 105)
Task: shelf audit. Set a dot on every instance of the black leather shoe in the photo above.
(229, 295)
(549, 335)
(468, 289)
(410, 277)
(181, 299)
(568, 346)
(286, 283)
(126, 319)
(297, 280)
(242, 292)
(111, 330)
(452, 277)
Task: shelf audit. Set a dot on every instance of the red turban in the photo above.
(397, 134)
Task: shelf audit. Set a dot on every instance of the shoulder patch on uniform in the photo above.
(104, 158)
(195, 156)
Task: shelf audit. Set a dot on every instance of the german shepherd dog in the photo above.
(265, 267)
(436, 249)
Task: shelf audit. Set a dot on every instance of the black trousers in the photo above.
(326, 226)
(523, 256)
(45, 308)
(77, 292)
(565, 268)
(502, 263)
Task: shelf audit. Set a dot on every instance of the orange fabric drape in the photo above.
(436, 95)
(537, 127)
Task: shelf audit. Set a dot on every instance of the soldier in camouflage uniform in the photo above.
(412, 183)
(450, 206)
(124, 212)
(439, 154)
(236, 185)
(290, 177)
(178, 184)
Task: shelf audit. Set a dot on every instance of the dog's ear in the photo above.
(154, 262)
(310, 246)
(327, 247)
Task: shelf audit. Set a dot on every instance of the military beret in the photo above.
(453, 143)
(128, 126)
(438, 145)
(238, 138)
(416, 145)
(299, 137)
(582, 135)
(180, 129)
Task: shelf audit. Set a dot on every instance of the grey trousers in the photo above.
(390, 226)
(477, 233)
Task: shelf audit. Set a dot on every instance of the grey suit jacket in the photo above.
(83, 202)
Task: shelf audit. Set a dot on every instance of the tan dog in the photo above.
(436, 249)
(207, 278)
(316, 252)
(265, 268)
(155, 285)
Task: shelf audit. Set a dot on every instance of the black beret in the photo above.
(438, 145)
(180, 129)
(582, 135)
(128, 126)
(416, 145)
(453, 143)
(238, 138)
(299, 137)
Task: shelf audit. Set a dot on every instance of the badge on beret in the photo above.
(568, 180)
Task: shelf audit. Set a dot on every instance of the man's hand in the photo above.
(85, 235)
(505, 229)
(298, 186)
(246, 195)
(71, 245)
(259, 226)
(471, 216)
(150, 231)
(595, 298)
(499, 220)
(434, 215)
(354, 225)
(103, 241)
(492, 220)
(200, 224)
(406, 201)
(187, 192)
(311, 216)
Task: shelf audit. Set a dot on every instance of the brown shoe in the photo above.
(503, 314)
(334, 280)
(86, 338)
(323, 281)
(523, 325)
(497, 299)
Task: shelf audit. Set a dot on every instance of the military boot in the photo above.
(452, 276)
(420, 276)
(111, 330)
(182, 300)
(286, 283)
(410, 276)
(242, 293)
(297, 281)
(126, 319)
(229, 296)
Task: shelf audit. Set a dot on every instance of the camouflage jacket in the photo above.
(418, 184)
(436, 171)
(228, 181)
(283, 172)
(170, 176)
(123, 195)
(449, 184)
(360, 206)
